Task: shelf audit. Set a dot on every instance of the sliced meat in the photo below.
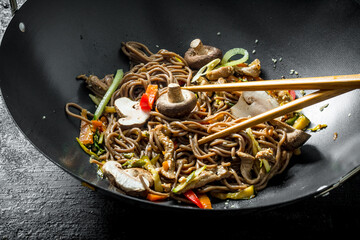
(295, 138)
(246, 169)
(207, 176)
(266, 154)
(96, 85)
(220, 72)
(252, 70)
(168, 145)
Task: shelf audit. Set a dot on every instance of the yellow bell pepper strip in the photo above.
(189, 179)
(246, 193)
(189, 194)
(109, 109)
(301, 122)
(317, 127)
(104, 101)
(205, 200)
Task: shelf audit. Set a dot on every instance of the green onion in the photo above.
(292, 120)
(95, 99)
(189, 179)
(129, 155)
(205, 69)
(151, 168)
(88, 151)
(232, 52)
(256, 147)
(266, 164)
(104, 101)
(134, 163)
(246, 193)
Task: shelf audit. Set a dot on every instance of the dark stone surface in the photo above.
(40, 201)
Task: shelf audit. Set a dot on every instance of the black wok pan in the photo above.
(62, 39)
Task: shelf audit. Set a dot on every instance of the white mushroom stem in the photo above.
(198, 47)
(174, 93)
(252, 103)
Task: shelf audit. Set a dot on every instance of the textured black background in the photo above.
(40, 201)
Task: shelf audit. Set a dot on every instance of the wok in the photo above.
(63, 39)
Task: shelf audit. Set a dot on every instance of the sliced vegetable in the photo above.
(232, 52)
(135, 162)
(104, 101)
(109, 109)
(318, 127)
(151, 168)
(301, 122)
(155, 159)
(246, 193)
(266, 164)
(292, 120)
(95, 99)
(88, 151)
(86, 133)
(205, 69)
(129, 155)
(152, 91)
(97, 125)
(256, 147)
(205, 200)
(155, 197)
(292, 94)
(189, 194)
(144, 103)
(189, 179)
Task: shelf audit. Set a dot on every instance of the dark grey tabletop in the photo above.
(38, 200)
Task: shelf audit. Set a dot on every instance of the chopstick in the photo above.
(326, 82)
(294, 105)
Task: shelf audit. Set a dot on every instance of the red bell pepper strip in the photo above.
(144, 103)
(292, 94)
(189, 194)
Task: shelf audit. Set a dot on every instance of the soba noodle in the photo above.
(166, 137)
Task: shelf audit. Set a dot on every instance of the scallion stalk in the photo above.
(104, 101)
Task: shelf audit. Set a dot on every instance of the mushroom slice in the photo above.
(252, 103)
(127, 179)
(295, 138)
(199, 55)
(132, 115)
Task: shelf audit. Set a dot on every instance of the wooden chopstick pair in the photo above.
(330, 86)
